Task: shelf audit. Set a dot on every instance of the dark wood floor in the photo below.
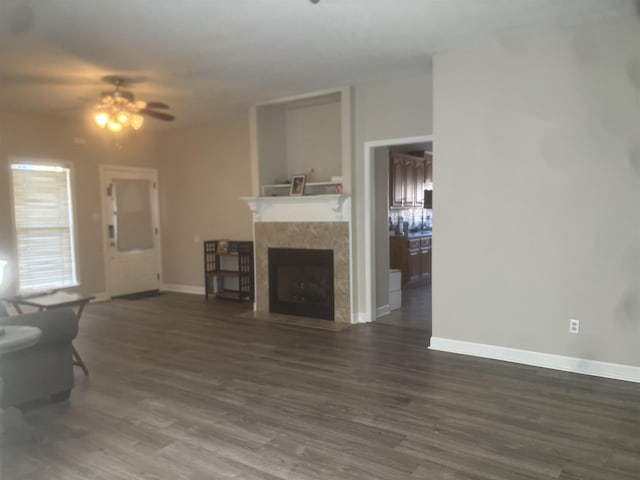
(184, 390)
(416, 307)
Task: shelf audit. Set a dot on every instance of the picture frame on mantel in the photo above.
(297, 185)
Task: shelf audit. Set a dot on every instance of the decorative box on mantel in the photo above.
(311, 208)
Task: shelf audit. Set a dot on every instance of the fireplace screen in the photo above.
(301, 282)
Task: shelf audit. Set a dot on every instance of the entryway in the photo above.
(131, 229)
(381, 217)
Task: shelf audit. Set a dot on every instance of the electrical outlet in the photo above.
(574, 325)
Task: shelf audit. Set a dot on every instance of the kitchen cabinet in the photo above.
(406, 180)
(409, 182)
(425, 256)
(410, 255)
(419, 168)
(415, 260)
(396, 181)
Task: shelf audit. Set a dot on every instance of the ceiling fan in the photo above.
(118, 108)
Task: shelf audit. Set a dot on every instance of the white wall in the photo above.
(300, 135)
(272, 145)
(398, 108)
(537, 144)
(84, 146)
(313, 141)
(203, 173)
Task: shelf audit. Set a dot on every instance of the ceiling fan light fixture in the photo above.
(123, 117)
(102, 118)
(136, 121)
(118, 109)
(114, 126)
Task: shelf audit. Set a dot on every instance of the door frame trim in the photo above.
(369, 217)
(127, 171)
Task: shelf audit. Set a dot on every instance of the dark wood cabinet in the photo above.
(228, 269)
(425, 255)
(407, 176)
(396, 181)
(409, 182)
(412, 256)
(415, 261)
(419, 168)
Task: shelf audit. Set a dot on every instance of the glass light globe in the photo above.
(123, 117)
(136, 121)
(114, 126)
(101, 118)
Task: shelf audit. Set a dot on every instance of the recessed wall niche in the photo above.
(309, 135)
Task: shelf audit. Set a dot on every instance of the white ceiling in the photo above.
(210, 58)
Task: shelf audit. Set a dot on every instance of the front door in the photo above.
(130, 206)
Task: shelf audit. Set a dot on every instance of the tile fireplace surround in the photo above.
(319, 223)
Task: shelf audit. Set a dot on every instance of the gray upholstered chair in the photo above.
(3, 311)
(44, 370)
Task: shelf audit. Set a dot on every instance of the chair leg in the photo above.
(77, 360)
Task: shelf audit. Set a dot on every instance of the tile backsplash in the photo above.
(415, 216)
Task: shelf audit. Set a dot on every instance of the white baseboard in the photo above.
(190, 289)
(383, 310)
(359, 317)
(557, 362)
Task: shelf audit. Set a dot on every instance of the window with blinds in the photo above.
(43, 227)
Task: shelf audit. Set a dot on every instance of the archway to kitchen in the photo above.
(398, 298)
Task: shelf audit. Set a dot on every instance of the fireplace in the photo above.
(301, 282)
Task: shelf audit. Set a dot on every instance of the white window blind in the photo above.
(44, 227)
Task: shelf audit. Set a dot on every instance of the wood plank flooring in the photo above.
(182, 389)
(416, 307)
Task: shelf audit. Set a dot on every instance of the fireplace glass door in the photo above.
(301, 282)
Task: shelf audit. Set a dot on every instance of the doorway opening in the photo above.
(398, 231)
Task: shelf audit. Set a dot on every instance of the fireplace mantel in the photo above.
(305, 208)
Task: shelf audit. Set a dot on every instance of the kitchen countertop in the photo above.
(424, 233)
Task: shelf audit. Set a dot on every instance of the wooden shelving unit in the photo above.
(228, 269)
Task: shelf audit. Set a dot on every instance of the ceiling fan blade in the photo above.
(157, 105)
(159, 115)
(142, 104)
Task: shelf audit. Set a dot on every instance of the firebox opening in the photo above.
(301, 282)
